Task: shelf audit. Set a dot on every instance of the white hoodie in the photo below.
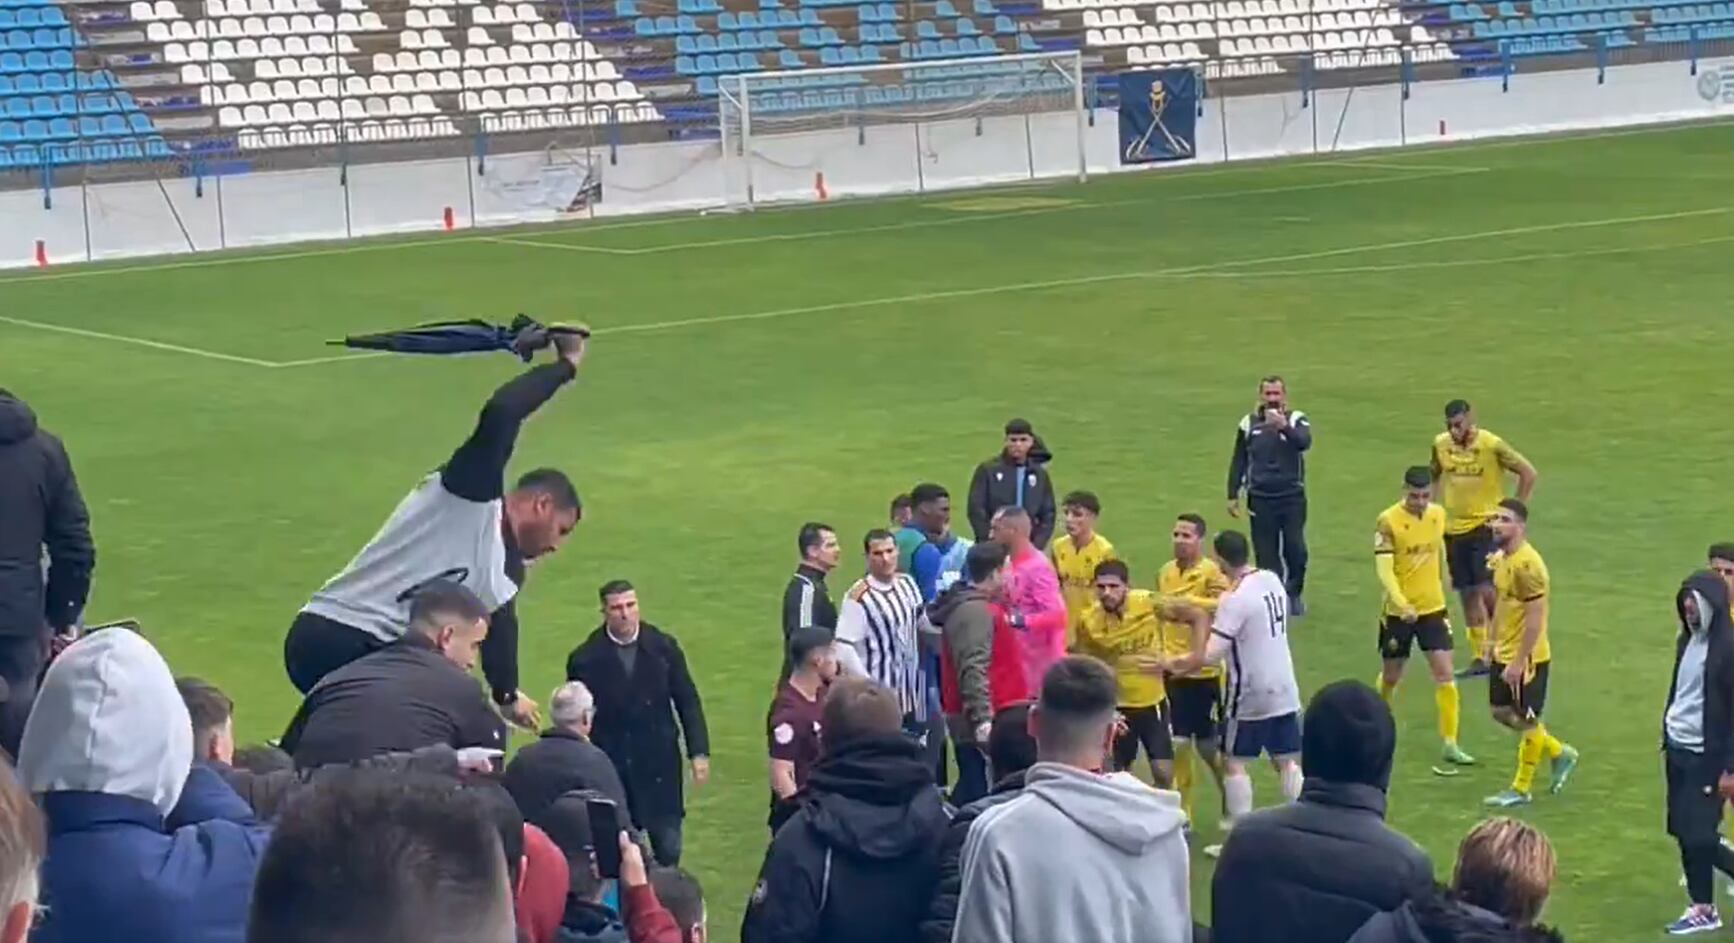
(1077, 856)
(109, 719)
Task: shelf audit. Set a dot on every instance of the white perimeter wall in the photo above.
(133, 219)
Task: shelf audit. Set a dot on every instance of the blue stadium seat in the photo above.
(7, 20)
(926, 30)
(948, 47)
(706, 43)
(685, 46)
(686, 24)
(966, 28)
(113, 126)
(944, 10)
(17, 107)
(747, 20)
(27, 17)
(829, 56)
(644, 26)
(809, 37)
(871, 54)
(626, 8)
(35, 130)
(727, 42)
(1004, 26)
(9, 132)
(685, 65)
(768, 40)
(5, 157)
(828, 37)
(851, 55)
(25, 155)
(5, 85)
(1027, 43)
(789, 59)
(61, 128)
(51, 16)
(707, 86)
(11, 62)
(707, 64)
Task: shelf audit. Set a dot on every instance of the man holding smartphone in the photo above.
(1269, 465)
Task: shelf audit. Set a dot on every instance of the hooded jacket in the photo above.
(1436, 918)
(1717, 721)
(1077, 856)
(936, 927)
(981, 661)
(859, 860)
(41, 507)
(1314, 871)
(142, 846)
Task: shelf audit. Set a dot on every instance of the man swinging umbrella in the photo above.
(458, 524)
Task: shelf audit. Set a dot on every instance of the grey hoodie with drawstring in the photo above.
(1077, 856)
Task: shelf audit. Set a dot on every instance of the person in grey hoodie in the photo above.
(1078, 855)
(143, 846)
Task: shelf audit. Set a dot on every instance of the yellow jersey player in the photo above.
(1408, 554)
(1469, 466)
(1522, 655)
(1195, 700)
(1077, 553)
(1121, 629)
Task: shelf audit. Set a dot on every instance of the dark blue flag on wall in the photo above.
(1158, 115)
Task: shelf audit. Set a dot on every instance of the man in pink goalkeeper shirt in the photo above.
(1038, 610)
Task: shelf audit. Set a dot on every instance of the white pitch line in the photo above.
(137, 341)
(570, 246)
(922, 297)
(1400, 165)
(335, 358)
(1568, 254)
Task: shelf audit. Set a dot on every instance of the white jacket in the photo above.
(1077, 856)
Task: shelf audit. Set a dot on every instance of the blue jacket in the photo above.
(143, 845)
(117, 871)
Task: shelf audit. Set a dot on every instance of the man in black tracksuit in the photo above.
(1018, 475)
(859, 861)
(807, 600)
(1269, 464)
(1698, 737)
(40, 507)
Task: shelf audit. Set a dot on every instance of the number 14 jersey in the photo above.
(1253, 619)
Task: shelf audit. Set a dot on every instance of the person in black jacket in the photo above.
(564, 759)
(1316, 870)
(459, 524)
(1011, 751)
(859, 861)
(1269, 464)
(639, 677)
(40, 508)
(415, 692)
(1504, 873)
(807, 600)
(1018, 475)
(1698, 742)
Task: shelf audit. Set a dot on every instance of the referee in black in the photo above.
(1698, 742)
(1269, 465)
(807, 600)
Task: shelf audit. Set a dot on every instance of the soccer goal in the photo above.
(905, 127)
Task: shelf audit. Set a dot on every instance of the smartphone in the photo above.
(605, 836)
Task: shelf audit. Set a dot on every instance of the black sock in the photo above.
(1699, 862)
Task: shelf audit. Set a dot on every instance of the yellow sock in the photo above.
(1528, 755)
(1450, 705)
(1551, 745)
(1183, 752)
(1387, 690)
(1477, 640)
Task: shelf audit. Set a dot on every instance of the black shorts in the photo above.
(1146, 727)
(1529, 701)
(1195, 707)
(1397, 638)
(1466, 557)
(1694, 804)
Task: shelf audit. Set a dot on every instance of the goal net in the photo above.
(906, 127)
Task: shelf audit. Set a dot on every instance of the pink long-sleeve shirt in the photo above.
(1035, 592)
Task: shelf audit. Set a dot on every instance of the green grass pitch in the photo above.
(754, 371)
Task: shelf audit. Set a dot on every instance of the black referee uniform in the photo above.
(1698, 732)
(1270, 464)
(806, 601)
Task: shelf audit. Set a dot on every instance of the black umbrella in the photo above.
(524, 336)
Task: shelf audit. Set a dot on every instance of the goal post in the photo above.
(904, 127)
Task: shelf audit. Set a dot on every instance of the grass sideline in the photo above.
(751, 372)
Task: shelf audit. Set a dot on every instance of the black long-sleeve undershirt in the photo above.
(477, 472)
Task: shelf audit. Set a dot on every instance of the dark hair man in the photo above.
(1522, 654)
(792, 725)
(1076, 553)
(917, 555)
(1077, 855)
(807, 600)
(1195, 698)
(879, 625)
(981, 663)
(1698, 742)
(21, 847)
(366, 857)
(588, 919)
(43, 513)
(1011, 751)
(213, 717)
(1722, 561)
(902, 508)
(1269, 465)
(683, 897)
(858, 861)
(412, 693)
(460, 525)
(1016, 477)
(1314, 870)
(564, 758)
(1408, 555)
(1469, 466)
(639, 677)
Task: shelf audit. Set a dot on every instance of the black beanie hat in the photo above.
(1019, 427)
(1348, 736)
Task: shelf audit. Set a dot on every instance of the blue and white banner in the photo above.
(1158, 115)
